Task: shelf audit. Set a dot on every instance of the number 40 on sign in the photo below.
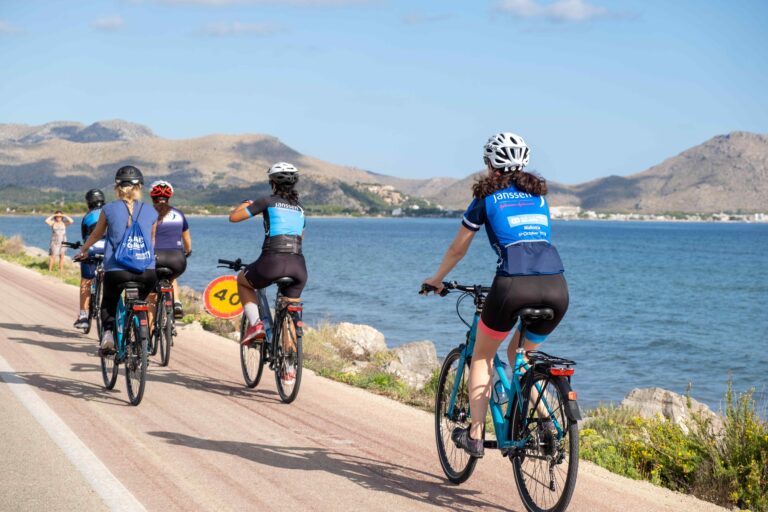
(221, 298)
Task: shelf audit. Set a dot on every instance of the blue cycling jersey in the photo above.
(281, 217)
(86, 228)
(518, 227)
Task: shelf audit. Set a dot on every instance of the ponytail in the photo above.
(285, 190)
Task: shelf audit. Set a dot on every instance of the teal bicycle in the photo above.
(533, 409)
(131, 344)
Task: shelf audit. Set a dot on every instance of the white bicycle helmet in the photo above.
(283, 172)
(161, 188)
(506, 152)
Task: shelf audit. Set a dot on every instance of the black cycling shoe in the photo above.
(178, 310)
(474, 447)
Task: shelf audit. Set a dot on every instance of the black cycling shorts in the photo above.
(511, 293)
(112, 281)
(271, 266)
(173, 259)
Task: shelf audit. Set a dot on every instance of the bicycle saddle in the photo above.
(164, 272)
(533, 314)
(284, 282)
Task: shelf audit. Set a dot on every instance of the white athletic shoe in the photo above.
(107, 341)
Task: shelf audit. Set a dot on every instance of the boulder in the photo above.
(652, 402)
(360, 340)
(413, 363)
(35, 252)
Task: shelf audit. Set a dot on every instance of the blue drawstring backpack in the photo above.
(134, 252)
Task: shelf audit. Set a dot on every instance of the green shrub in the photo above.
(729, 468)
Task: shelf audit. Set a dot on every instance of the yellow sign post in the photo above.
(221, 298)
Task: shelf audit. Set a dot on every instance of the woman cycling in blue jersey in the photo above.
(510, 203)
(281, 254)
(114, 220)
(95, 200)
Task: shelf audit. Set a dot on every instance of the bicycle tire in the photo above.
(456, 463)
(165, 335)
(251, 358)
(135, 362)
(109, 370)
(285, 359)
(96, 305)
(153, 343)
(544, 447)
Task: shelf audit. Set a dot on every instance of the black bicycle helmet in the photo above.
(129, 174)
(94, 198)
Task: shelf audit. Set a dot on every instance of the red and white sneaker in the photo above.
(254, 333)
(289, 374)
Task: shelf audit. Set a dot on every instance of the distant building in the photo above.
(564, 212)
(397, 212)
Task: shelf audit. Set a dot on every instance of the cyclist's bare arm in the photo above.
(240, 213)
(456, 251)
(187, 239)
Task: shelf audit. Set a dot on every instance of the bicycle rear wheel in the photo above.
(457, 464)
(251, 358)
(135, 362)
(290, 359)
(545, 470)
(165, 334)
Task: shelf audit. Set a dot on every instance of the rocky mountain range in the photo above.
(727, 172)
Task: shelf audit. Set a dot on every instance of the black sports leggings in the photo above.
(272, 266)
(112, 281)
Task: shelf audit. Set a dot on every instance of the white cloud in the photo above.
(559, 10)
(108, 23)
(235, 28)
(7, 28)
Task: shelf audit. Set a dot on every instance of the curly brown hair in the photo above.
(524, 181)
(285, 190)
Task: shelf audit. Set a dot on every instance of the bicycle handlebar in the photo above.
(234, 265)
(449, 286)
(72, 245)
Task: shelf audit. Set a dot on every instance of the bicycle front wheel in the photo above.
(165, 334)
(135, 362)
(95, 307)
(109, 370)
(457, 464)
(251, 358)
(290, 359)
(545, 469)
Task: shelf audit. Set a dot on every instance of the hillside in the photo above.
(725, 173)
(61, 159)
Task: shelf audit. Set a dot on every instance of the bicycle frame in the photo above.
(122, 319)
(501, 418)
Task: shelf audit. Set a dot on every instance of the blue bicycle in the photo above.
(131, 345)
(533, 410)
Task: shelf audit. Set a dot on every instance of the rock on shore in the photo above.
(679, 409)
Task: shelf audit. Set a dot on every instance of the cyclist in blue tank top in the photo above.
(95, 200)
(281, 254)
(512, 206)
(114, 221)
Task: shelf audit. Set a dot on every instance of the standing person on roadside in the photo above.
(114, 220)
(95, 200)
(510, 203)
(58, 223)
(281, 254)
(173, 243)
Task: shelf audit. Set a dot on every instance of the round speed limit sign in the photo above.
(221, 298)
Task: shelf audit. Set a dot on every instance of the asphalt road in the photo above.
(200, 440)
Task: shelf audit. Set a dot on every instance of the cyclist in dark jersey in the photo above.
(95, 200)
(511, 204)
(173, 243)
(281, 254)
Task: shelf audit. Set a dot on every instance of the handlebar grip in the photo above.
(226, 262)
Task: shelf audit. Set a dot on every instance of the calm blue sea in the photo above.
(652, 304)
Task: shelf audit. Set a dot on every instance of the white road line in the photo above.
(114, 493)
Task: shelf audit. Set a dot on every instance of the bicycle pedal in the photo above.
(490, 444)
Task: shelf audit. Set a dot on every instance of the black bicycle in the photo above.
(281, 348)
(163, 325)
(97, 288)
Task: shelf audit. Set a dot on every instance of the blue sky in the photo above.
(408, 88)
